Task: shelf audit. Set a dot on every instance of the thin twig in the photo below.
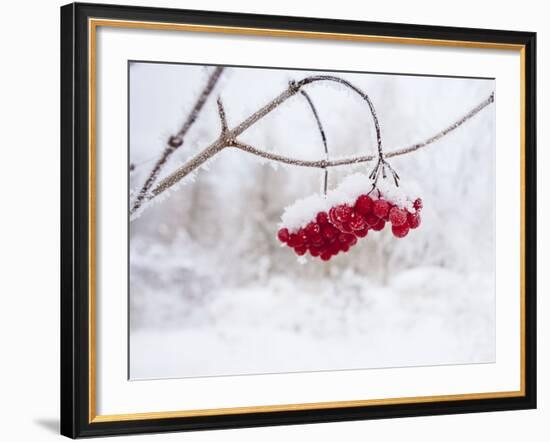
(318, 120)
(447, 130)
(175, 141)
(323, 136)
(223, 118)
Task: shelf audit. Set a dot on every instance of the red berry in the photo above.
(302, 237)
(329, 232)
(398, 216)
(300, 251)
(371, 219)
(315, 251)
(343, 213)
(381, 208)
(316, 240)
(418, 204)
(322, 218)
(312, 229)
(283, 235)
(352, 241)
(292, 240)
(363, 205)
(379, 225)
(345, 227)
(346, 238)
(413, 219)
(357, 221)
(362, 233)
(400, 231)
(332, 216)
(326, 255)
(344, 247)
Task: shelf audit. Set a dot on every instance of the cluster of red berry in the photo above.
(338, 231)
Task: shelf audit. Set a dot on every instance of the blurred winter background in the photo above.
(213, 293)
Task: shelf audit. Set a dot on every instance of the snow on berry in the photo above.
(327, 225)
(397, 216)
(381, 208)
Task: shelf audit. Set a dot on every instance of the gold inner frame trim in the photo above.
(92, 28)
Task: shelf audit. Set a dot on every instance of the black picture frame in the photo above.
(75, 221)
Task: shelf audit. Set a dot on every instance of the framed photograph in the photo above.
(275, 220)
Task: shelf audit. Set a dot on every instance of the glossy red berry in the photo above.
(329, 232)
(346, 238)
(326, 255)
(418, 204)
(334, 248)
(381, 208)
(363, 205)
(413, 219)
(343, 213)
(400, 231)
(315, 251)
(345, 227)
(387, 217)
(371, 219)
(283, 235)
(312, 229)
(343, 238)
(379, 225)
(302, 237)
(316, 240)
(357, 221)
(300, 251)
(332, 216)
(361, 233)
(322, 218)
(397, 216)
(292, 240)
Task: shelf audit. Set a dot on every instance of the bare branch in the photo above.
(195, 162)
(175, 141)
(223, 141)
(447, 130)
(221, 113)
(321, 164)
(229, 137)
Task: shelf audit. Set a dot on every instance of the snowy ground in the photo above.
(426, 316)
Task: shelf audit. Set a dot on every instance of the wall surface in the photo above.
(29, 238)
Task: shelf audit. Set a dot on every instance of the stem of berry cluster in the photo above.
(228, 138)
(323, 137)
(363, 95)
